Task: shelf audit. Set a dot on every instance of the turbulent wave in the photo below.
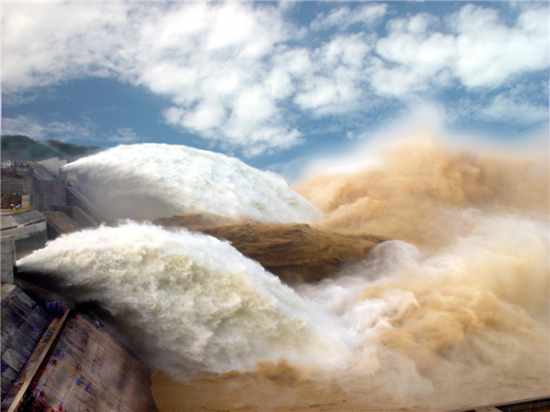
(156, 180)
(453, 312)
(193, 301)
(468, 323)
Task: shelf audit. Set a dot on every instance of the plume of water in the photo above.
(191, 301)
(157, 180)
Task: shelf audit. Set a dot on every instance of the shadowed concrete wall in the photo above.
(52, 165)
(8, 258)
(23, 323)
(84, 366)
(23, 183)
(48, 193)
(89, 371)
(28, 229)
(29, 238)
(83, 219)
(76, 198)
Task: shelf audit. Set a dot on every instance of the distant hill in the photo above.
(23, 148)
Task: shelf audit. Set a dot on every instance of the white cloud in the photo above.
(42, 44)
(231, 70)
(426, 54)
(482, 51)
(342, 18)
(227, 87)
(420, 64)
(337, 84)
(23, 125)
(411, 60)
(505, 107)
(38, 130)
(348, 50)
(63, 131)
(206, 58)
(489, 53)
(326, 95)
(231, 27)
(124, 135)
(417, 24)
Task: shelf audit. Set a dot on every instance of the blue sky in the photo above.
(275, 84)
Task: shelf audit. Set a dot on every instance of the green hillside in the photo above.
(23, 148)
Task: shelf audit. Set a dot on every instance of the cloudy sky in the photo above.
(274, 84)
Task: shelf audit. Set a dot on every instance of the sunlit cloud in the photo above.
(39, 130)
(231, 71)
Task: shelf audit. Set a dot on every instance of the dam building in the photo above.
(56, 355)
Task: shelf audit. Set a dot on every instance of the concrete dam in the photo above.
(66, 362)
(56, 355)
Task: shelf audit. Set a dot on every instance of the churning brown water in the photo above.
(455, 317)
(452, 312)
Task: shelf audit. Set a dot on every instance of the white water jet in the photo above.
(159, 180)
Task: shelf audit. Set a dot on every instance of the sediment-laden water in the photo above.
(453, 311)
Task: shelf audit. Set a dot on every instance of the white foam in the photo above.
(191, 301)
(156, 180)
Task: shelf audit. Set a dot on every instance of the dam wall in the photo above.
(17, 180)
(49, 193)
(8, 258)
(88, 368)
(27, 229)
(76, 198)
(72, 361)
(23, 324)
(57, 356)
(59, 223)
(83, 219)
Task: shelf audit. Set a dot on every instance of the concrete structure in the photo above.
(25, 201)
(83, 219)
(59, 223)
(54, 303)
(47, 190)
(66, 362)
(89, 369)
(8, 258)
(23, 324)
(17, 179)
(33, 186)
(53, 165)
(76, 198)
(49, 193)
(43, 186)
(55, 356)
(28, 229)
